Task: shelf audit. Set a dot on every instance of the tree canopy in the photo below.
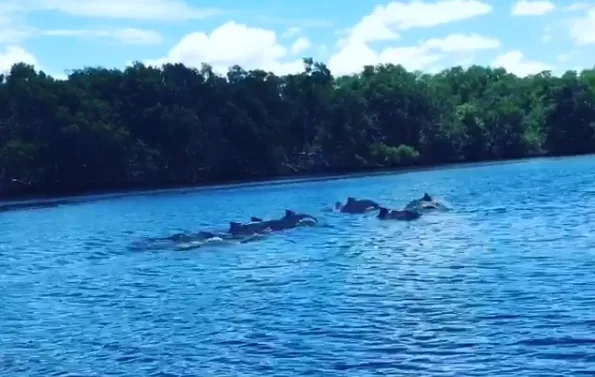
(174, 125)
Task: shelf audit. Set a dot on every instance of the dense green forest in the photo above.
(174, 125)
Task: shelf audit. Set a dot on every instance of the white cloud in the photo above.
(301, 44)
(14, 35)
(128, 36)
(165, 10)
(385, 22)
(466, 62)
(352, 56)
(462, 42)
(357, 54)
(514, 61)
(371, 28)
(578, 7)
(292, 32)
(15, 54)
(411, 57)
(532, 8)
(229, 44)
(11, 32)
(418, 14)
(582, 30)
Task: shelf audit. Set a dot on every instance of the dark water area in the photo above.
(501, 285)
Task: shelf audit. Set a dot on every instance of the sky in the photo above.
(524, 37)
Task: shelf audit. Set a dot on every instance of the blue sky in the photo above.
(523, 36)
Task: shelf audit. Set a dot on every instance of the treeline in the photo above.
(174, 125)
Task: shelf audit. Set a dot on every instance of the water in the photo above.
(502, 285)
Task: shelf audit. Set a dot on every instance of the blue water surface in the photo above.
(501, 285)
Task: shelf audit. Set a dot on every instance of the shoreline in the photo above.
(17, 202)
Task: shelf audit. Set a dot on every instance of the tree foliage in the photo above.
(173, 125)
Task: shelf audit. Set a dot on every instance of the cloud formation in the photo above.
(235, 43)
(426, 35)
(153, 10)
(386, 23)
(532, 8)
(514, 61)
(12, 55)
(582, 29)
(126, 36)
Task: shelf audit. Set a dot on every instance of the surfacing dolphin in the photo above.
(290, 220)
(256, 225)
(189, 240)
(221, 240)
(175, 240)
(404, 215)
(354, 205)
(426, 203)
(189, 237)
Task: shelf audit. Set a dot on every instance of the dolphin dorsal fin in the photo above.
(350, 199)
(289, 213)
(255, 219)
(427, 197)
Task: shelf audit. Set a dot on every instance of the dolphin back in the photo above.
(359, 206)
(234, 226)
(307, 220)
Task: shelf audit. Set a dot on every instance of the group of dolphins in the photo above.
(256, 228)
(412, 211)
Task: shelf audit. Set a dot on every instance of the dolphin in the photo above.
(219, 239)
(189, 237)
(423, 204)
(404, 215)
(291, 219)
(250, 228)
(182, 240)
(201, 243)
(354, 205)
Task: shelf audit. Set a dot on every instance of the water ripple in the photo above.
(501, 285)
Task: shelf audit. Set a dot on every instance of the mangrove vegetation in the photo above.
(148, 127)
